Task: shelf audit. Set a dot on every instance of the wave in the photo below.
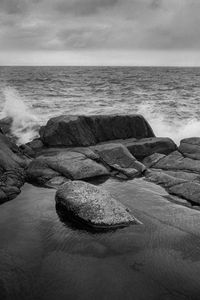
(25, 124)
(176, 129)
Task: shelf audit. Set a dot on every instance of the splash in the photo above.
(24, 124)
(176, 129)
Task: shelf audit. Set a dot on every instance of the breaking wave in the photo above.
(24, 123)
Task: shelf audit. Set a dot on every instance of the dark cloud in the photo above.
(99, 24)
(83, 7)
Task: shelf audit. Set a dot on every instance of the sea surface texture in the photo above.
(168, 97)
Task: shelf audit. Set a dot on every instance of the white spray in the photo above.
(177, 130)
(24, 123)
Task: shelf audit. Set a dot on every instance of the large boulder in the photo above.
(190, 147)
(12, 165)
(148, 146)
(83, 130)
(92, 206)
(63, 162)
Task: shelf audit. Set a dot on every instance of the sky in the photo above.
(100, 32)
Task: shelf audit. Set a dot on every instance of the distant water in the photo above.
(169, 98)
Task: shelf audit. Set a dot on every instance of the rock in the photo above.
(183, 175)
(56, 182)
(188, 190)
(66, 163)
(118, 157)
(176, 161)
(93, 206)
(5, 125)
(74, 131)
(190, 147)
(151, 160)
(148, 146)
(39, 172)
(163, 179)
(12, 165)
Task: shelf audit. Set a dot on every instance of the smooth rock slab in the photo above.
(118, 157)
(61, 162)
(176, 161)
(187, 190)
(93, 206)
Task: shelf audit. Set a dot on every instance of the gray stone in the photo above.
(93, 206)
(148, 146)
(118, 157)
(176, 161)
(151, 160)
(188, 190)
(63, 162)
(77, 131)
(190, 147)
(161, 178)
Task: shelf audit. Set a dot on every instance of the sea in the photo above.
(168, 97)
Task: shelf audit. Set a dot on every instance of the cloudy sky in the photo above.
(100, 32)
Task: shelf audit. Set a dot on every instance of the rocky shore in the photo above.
(73, 151)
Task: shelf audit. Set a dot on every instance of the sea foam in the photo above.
(24, 123)
(176, 129)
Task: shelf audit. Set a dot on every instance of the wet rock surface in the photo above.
(93, 206)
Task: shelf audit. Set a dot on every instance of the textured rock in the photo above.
(188, 190)
(176, 161)
(151, 160)
(163, 179)
(183, 175)
(93, 206)
(148, 146)
(12, 164)
(5, 125)
(76, 131)
(118, 157)
(190, 147)
(63, 162)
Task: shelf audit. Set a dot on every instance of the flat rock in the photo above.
(118, 157)
(93, 206)
(148, 146)
(63, 162)
(163, 179)
(190, 147)
(74, 131)
(183, 175)
(188, 190)
(151, 160)
(176, 161)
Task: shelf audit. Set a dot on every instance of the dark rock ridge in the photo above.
(74, 131)
(12, 169)
(93, 206)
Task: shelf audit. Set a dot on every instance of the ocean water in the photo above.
(169, 98)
